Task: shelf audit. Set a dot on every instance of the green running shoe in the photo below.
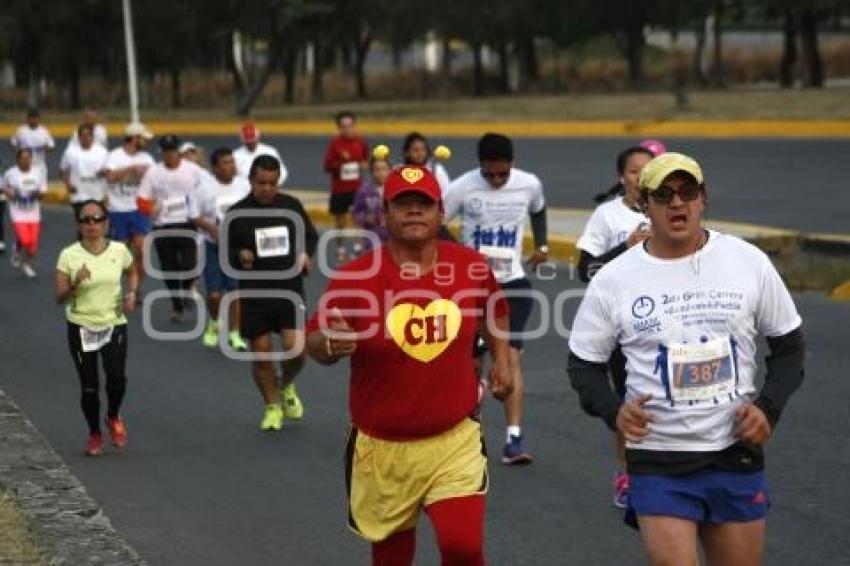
(273, 418)
(292, 406)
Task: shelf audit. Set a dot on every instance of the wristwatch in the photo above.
(544, 249)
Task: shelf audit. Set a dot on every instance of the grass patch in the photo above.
(813, 272)
(729, 104)
(16, 544)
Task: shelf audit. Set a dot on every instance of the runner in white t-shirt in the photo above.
(251, 149)
(83, 169)
(614, 227)
(24, 185)
(206, 210)
(125, 167)
(687, 307)
(36, 138)
(493, 202)
(164, 195)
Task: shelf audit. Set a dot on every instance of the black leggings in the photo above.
(177, 253)
(113, 355)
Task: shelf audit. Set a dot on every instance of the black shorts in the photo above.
(520, 309)
(260, 316)
(340, 203)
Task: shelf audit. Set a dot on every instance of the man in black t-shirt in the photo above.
(270, 242)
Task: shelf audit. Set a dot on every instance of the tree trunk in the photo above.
(74, 98)
(717, 67)
(504, 68)
(396, 51)
(238, 81)
(634, 44)
(789, 50)
(175, 86)
(527, 54)
(290, 66)
(813, 77)
(699, 53)
(360, 55)
(445, 65)
(317, 85)
(477, 70)
(273, 62)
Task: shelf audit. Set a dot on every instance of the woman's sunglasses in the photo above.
(664, 194)
(99, 219)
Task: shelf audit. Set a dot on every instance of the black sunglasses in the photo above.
(92, 219)
(495, 174)
(687, 192)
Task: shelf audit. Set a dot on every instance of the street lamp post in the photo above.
(132, 83)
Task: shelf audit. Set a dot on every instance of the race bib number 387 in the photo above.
(272, 241)
(701, 372)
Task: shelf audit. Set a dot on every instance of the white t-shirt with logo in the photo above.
(214, 198)
(37, 140)
(244, 158)
(25, 206)
(609, 226)
(171, 190)
(122, 195)
(84, 167)
(688, 329)
(493, 220)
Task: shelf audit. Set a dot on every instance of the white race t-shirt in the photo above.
(493, 220)
(213, 199)
(25, 206)
(37, 140)
(171, 190)
(244, 158)
(122, 195)
(440, 174)
(84, 167)
(609, 226)
(688, 329)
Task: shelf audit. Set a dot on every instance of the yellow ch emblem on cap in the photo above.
(412, 175)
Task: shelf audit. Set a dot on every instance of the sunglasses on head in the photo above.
(98, 219)
(687, 192)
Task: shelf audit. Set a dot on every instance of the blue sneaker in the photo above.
(515, 453)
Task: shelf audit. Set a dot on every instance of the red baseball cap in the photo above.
(412, 178)
(250, 133)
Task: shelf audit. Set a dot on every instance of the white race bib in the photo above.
(174, 209)
(701, 372)
(93, 339)
(500, 260)
(273, 241)
(350, 171)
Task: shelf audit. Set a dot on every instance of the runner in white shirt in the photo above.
(125, 167)
(83, 169)
(24, 185)
(206, 210)
(251, 149)
(36, 138)
(164, 195)
(687, 307)
(614, 227)
(101, 137)
(493, 202)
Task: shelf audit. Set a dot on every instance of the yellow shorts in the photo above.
(389, 482)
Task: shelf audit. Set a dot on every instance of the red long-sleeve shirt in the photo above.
(345, 160)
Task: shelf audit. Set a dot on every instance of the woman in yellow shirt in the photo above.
(88, 279)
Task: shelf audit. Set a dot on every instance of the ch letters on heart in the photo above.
(424, 334)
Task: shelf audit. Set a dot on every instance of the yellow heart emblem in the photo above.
(423, 334)
(412, 175)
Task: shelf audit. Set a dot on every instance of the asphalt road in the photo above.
(796, 184)
(200, 484)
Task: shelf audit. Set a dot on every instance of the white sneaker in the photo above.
(28, 270)
(2, 246)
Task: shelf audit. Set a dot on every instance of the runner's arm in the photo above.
(588, 264)
(538, 227)
(590, 381)
(784, 373)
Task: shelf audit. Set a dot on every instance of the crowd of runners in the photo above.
(663, 347)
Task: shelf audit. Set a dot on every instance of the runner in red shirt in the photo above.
(406, 314)
(346, 158)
